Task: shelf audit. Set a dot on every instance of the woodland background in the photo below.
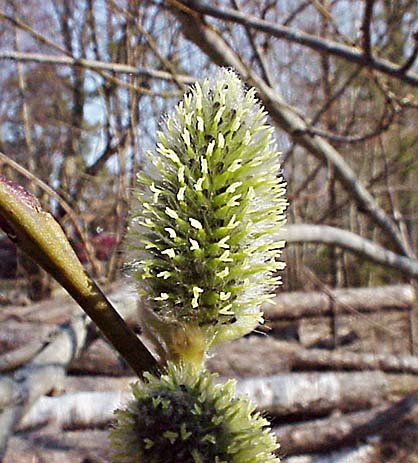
(84, 84)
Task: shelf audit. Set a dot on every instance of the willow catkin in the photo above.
(210, 205)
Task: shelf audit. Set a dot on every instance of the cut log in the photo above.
(326, 434)
(77, 383)
(85, 446)
(292, 306)
(313, 394)
(362, 454)
(61, 307)
(100, 359)
(264, 356)
(286, 306)
(78, 410)
(15, 334)
(18, 357)
(90, 446)
(298, 394)
(44, 374)
(319, 359)
(252, 356)
(257, 356)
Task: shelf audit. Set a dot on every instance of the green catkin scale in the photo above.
(184, 417)
(210, 204)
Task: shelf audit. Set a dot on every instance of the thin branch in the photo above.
(339, 92)
(152, 44)
(25, 107)
(393, 166)
(346, 52)
(324, 234)
(337, 138)
(63, 204)
(297, 11)
(365, 28)
(257, 52)
(95, 65)
(38, 36)
(42, 39)
(414, 53)
(319, 5)
(385, 120)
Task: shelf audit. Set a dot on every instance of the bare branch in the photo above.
(324, 234)
(414, 53)
(257, 52)
(365, 28)
(38, 36)
(95, 65)
(296, 12)
(108, 76)
(348, 53)
(384, 123)
(152, 44)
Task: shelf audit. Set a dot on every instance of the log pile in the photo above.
(60, 382)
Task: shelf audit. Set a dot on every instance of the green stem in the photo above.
(38, 234)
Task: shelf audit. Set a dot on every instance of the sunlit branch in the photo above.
(339, 50)
(95, 65)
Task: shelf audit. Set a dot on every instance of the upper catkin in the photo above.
(210, 204)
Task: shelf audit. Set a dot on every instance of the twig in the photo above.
(348, 53)
(352, 139)
(297, 11)
(365, 28)
(42, 39)
(257, 52)
(414, 53)
(152, 44)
